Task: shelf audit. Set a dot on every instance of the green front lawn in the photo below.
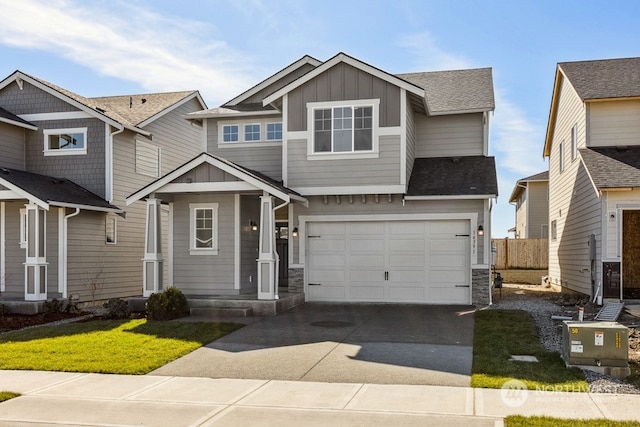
(498, 335)
(106, 346)
(520, 421)
(6, 395)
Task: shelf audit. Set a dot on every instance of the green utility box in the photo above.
(604, 344)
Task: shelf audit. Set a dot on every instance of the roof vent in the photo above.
(102, 110)
(58, 181)
(5, 171)
(143, 100)
(456, 160)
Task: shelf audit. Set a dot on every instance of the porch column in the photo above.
(266, 259)
(152, 261)
(35, 266)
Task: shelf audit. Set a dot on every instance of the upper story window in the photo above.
(274, 131)
(561, 155)
(347, 128)
(574, 142)
(252, 132)
(230, 133)
(60, 142)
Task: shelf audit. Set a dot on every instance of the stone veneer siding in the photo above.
(481, 286)
(296, 280)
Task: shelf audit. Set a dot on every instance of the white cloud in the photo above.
(158, 52)
(429, 56)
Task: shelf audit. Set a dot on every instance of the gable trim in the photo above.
(19, 124)
(344, 58)
(22, 194)
(172, 107)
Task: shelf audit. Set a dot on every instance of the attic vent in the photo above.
(456, 160)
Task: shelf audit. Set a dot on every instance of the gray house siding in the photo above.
(205, 173)
(249, 241)
(538, 209)
(411, 139)
(266, 159)
(384, 170)
(87, 170)
(444, 136)
(341, 83)
(14, 255)
(12, 142)
(31, 100)
(204, 274)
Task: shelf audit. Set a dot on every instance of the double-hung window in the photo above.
(574, 142)
(203, 228)
(561, 156)
(347, 127)
(61, 142)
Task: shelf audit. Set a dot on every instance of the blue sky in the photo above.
(99, 48)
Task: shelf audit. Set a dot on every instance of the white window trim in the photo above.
(370, 154)
(574, 142)
(64, 152)
(561, 156)
(159, 149)
(115, 230)
(192, 216)
(23, 228)
(221, 127)
(244, 133)
(266, 131)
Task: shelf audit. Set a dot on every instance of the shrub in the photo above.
(117, 309)
(169, 304)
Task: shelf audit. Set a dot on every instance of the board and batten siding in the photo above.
(573, 202)
(355, 206)
(384, 170)
(614, 123)
(12, 146)
(446, 136)
(344, 82)
(264, 157)
(538, 210)
(411, 139)
(204, 274)
(273, 87)
(14, 254)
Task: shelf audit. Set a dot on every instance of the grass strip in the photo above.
(521, 421)
(498, 335)
(6, 395)
(106, 346)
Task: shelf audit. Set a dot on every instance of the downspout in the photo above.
(275, 252)
(63, 255)
(109, 165)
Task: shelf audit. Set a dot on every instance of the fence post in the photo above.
(506, 253)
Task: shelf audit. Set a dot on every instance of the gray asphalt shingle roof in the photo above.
(453, 176)
(601, 79)
(55, 190)
(456, 90)
(613, 167)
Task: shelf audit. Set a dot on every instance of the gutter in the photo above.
(275, 252)
(63, 261)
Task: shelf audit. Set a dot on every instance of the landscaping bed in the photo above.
(12, 322)
(542, 302)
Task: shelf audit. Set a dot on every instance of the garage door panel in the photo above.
(398, 261)
(366, 293)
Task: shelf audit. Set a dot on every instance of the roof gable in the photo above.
(344, 58)
(518, 188)
(604, 79)
(612, 167)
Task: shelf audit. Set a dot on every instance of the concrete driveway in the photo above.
(346, 343)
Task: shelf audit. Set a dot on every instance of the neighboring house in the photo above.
(67, 164)
(531, 199)
(593, 144)
(339, 180)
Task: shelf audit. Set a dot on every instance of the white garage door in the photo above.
(395, 261)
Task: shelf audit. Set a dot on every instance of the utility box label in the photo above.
(599, 338)
(576, 348)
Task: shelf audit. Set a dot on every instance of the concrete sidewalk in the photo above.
(57, 398)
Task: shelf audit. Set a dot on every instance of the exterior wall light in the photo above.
(295, 232)
(480, 230)
(254, 226)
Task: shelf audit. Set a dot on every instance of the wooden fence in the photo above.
(521, 253)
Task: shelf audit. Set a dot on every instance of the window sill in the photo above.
(343, 156)
(203, 252)
(64, 152)
(249, 144)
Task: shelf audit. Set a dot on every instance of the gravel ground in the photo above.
(542, 303)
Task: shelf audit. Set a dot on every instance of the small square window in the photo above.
(111, 230)
(59, 142)
(252, 133)
(274, 131)
(230, 133)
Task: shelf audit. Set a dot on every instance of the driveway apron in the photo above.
(346, 343)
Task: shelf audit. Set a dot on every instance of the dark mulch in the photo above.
(11, 322)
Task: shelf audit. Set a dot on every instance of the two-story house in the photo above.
(593, 145)
(356, 184)
(67, 163)
(530, 196)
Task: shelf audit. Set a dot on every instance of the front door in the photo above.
(631, 254)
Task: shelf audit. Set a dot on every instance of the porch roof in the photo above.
(12, 119)
(46, 191)
(612, 167)
(254, 179)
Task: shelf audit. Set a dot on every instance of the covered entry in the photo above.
(631, 254)
(389, 261)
